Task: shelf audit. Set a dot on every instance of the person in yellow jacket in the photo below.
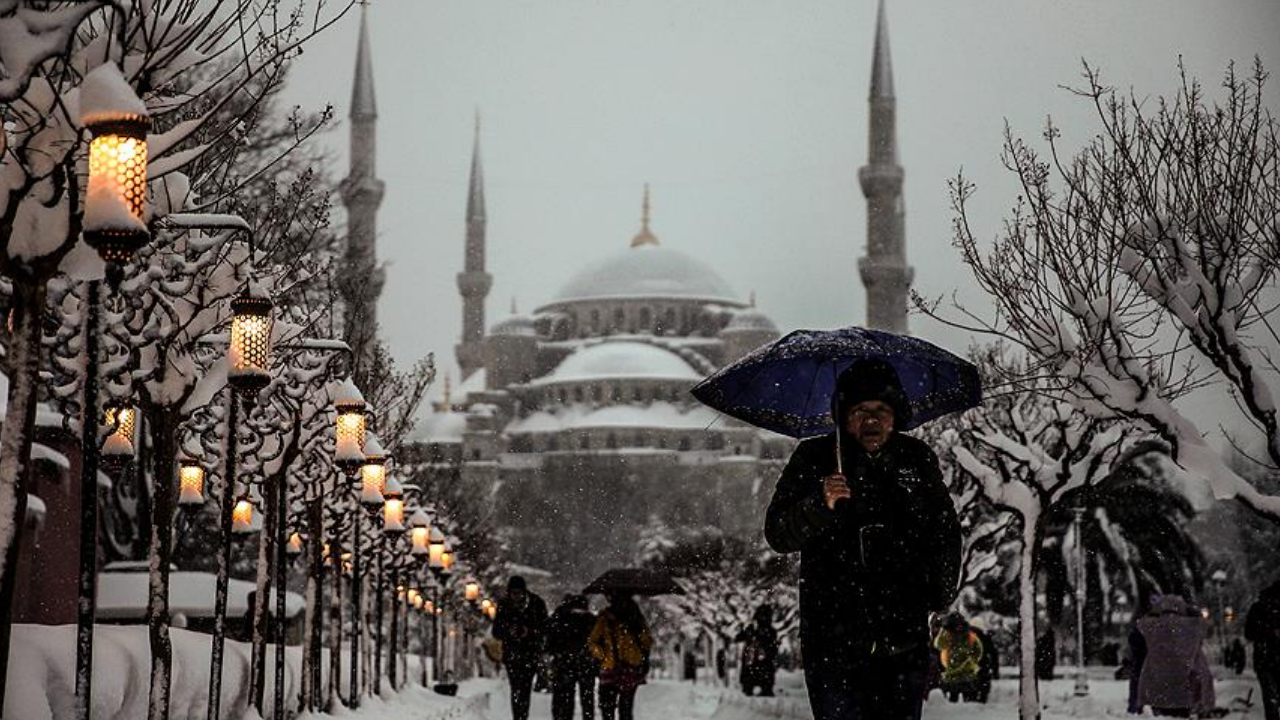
(620, 642)
(960, 650)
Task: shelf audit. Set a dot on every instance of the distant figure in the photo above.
(759, 663)
(1234, 656)
(573, 668)
(1175, 678)
(960, 651)
(1046, 654)
(620, 642)
(689, 660)
(989, 668)
(1262, 628)
(520, 625)
(722, 666)
(1136, 657)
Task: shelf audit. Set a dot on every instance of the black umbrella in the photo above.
(633, 581)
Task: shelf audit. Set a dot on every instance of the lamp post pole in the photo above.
(1082, 680)
(282, 580)
(224, 556)
(380, 549)
(88, 584)
(356, 609)
(1219, 578)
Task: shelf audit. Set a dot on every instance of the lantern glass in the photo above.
(421, 541)
(435, 553)
(472, 590)
(249, 353)
(418, 601)
(116, 197)
(242, 517)
(295, 544)
(393, 515)
(350, 436)
(373, 479)
(123, 423)
(191, 483)
(446, 561)
(429, 607)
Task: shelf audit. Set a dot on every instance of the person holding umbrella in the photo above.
(620, 643)
(879, 541)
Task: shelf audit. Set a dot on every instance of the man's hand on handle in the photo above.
(835, 488)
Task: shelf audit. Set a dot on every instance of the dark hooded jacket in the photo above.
(1262, 628)
(872, 569)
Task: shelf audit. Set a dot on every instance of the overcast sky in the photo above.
(747, 117)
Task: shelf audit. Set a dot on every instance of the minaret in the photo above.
(884, 270)
(645, 236)
(473, 281)
(362, 194)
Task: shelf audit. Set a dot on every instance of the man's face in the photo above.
(516, 596)
(870, 423)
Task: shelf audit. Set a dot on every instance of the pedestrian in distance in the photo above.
(573, 667)
(960, 651)
(989, 670)
(520, 625)
(1175, 680)
(759, 659)
(620, 643)
(1262, 628)
(879, 542)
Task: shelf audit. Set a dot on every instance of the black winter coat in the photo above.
(872, 569)
(567, 634)
(521, 630)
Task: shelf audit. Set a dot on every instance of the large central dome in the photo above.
(647, 271)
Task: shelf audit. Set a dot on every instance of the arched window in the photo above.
(564, 398)
(715, 441)
(596, 393)
(611, 441)
(662, 442)
(577, 394)
(584, 442)
(684, 445)
(645, 318)
(636, 394)
(595, 321)
(553, 443)
(619, 319)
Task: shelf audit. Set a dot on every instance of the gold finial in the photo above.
(645, 237)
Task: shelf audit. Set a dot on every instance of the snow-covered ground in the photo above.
(42, 682)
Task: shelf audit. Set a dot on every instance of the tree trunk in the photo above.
(163, 426)
(282, 587)
(1028, 690)
(395, 628)
(228, 504)
(15, 449)
(311, 621)
(357, 614)
(335, 629)
(377, 620)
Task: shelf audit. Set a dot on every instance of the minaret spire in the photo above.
(884, 269)
(362, 195)
(473, 281)
(645, 236)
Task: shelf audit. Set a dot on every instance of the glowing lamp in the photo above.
(115, 206)
(294, 546)
(471, 590)
(485, 603)
(420, 533)
(249, 354)
(418, 601)
(435, 550)
(393, 515)
(242, 517)
(190, 482)
(492, 612)
(429, 607)
(446, 562)
(349, 453)
(122, 424)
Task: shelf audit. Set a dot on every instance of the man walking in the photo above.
(573, 669)
(520, 625)
(879, 545)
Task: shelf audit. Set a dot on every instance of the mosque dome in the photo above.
(648, 271)
(621, 359)
(515, 324)
(750, 320)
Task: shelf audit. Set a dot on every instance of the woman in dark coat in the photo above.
(1175, 678)
(572, 666)
(759, 653)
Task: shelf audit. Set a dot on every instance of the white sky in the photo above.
(749, 119)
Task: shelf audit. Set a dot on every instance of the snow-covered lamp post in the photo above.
(242, 517)
(1082, 680)
(294, 546)
(393, 516)
(373, 473)
(115, 205)
(349, 453)
(471, 590)
(420, 533)
(190, 482)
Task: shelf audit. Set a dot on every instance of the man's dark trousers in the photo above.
(521, 678)
(869, 687)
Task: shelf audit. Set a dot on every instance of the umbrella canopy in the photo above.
(633, 581)
(786, 386)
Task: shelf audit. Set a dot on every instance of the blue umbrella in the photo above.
(787, 385)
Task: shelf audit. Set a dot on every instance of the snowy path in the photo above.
(658, 700)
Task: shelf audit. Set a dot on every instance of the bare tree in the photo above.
(1144, 266)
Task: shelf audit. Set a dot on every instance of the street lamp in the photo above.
(1219, 578)
(471, 590)
(249, 354)
(242, 517)
(191, 482)
(393, 516)
(294, 546)
(393, 488)
(436, 550)
(420, 533)
(349, 454)
(373, 473)
(115, 205)
(118, 449)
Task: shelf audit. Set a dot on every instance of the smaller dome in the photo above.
(621, 359)
(750, 320)
(440, 427)
(515, 324)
